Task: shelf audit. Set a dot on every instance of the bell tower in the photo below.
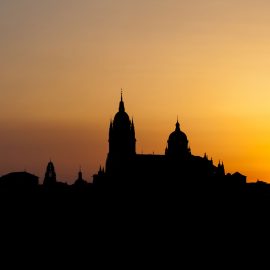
(122, 139)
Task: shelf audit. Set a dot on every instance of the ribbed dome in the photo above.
(177, 143)
(178, 135)
(121, 119)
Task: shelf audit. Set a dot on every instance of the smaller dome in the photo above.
(178, 135)
(177, 143)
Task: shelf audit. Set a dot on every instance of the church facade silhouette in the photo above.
(176, 164)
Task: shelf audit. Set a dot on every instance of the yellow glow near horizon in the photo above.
(63, 64)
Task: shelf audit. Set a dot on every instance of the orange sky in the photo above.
(63, 64)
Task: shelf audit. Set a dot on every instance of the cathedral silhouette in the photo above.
(125, 168)
(176, 165)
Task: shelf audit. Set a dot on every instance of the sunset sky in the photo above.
(63, 64)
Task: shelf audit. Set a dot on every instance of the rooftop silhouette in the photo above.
(175, 175)
(144, 200)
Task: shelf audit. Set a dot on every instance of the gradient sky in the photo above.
(63, 63)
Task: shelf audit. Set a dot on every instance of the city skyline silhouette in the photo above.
(122, 145)
(175, 182)
(139, 128)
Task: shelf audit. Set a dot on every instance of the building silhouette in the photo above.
(80, 182)
(176, 166)
(18, 180)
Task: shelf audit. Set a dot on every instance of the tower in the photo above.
(50, 175)
(220, 169)
(122, 139)
(80, 181)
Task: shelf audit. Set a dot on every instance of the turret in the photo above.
(220, 169)
(50, 175)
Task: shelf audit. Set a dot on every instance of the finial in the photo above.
(121, 105)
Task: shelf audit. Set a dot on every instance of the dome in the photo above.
(178, 135)
(121, 117)
(177, 143)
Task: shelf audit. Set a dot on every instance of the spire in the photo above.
(222, 165)
(221, 170)
(177, 125)
(100, 171)
(121, 105)
(132, 129)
